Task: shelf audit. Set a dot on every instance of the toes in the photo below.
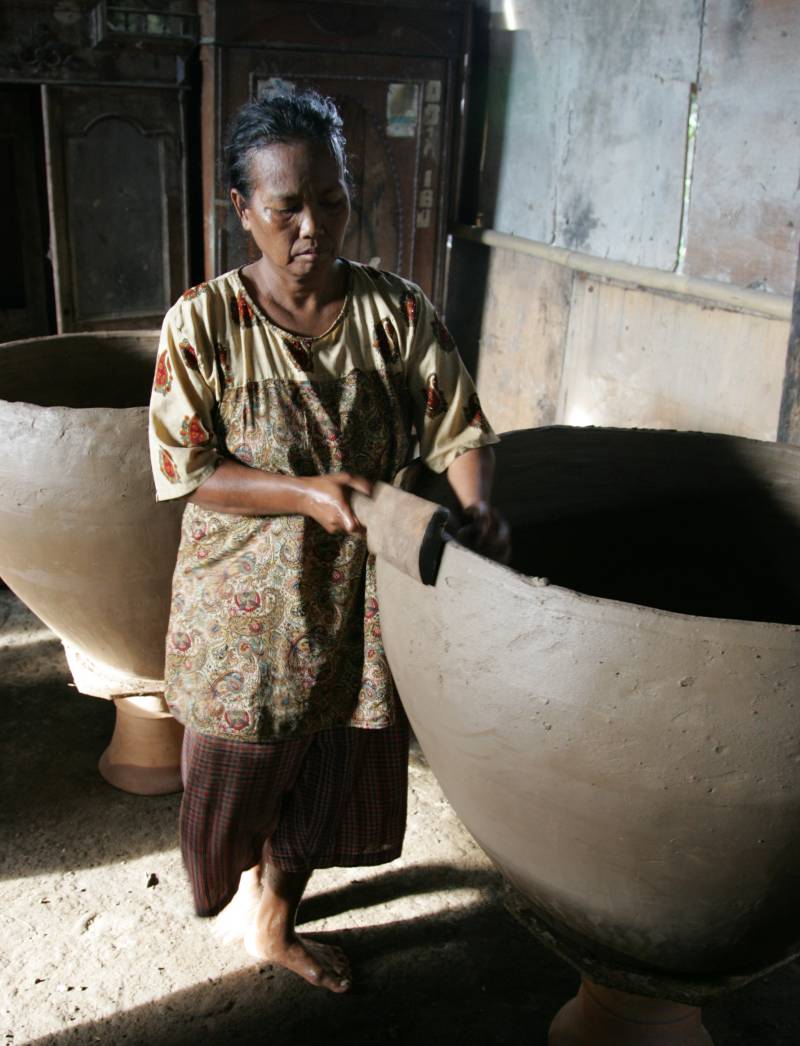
(334, 958)
(334, 966)
(320, 977)
(339, 982)
(322, 965)
(339, 961)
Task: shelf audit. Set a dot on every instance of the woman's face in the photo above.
(298, 210)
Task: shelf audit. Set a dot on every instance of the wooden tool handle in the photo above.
(405, 530)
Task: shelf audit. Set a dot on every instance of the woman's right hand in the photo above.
(327, 500)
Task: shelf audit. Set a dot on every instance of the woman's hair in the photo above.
(302, 117)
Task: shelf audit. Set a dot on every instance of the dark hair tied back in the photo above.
(301, 117)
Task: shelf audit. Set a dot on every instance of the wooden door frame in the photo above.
(789, 420)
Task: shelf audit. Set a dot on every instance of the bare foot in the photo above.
(234, 919)
(323, 965)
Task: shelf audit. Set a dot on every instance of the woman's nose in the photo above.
(310, 221)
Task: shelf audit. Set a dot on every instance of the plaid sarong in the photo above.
(334, 798)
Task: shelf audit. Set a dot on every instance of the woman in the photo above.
(280, 388)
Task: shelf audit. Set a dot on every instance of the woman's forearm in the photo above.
(244, 491)
(470, 476)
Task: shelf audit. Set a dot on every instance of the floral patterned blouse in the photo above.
(274, 628)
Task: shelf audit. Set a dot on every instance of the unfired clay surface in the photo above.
(634, 772)
(82, 540)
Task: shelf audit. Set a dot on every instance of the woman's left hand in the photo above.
(483, 529)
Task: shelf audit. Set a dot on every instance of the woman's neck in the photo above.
(305, 307)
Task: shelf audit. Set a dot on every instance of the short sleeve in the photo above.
(447, 412)
(183, 446)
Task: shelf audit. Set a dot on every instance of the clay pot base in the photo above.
(144, 755)
(600, 1016)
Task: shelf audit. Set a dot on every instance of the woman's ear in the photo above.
(240, 206)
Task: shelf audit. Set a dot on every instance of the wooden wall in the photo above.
(586, 124)
(744, 215)
(586, 146)
(556, 346)
(634, 358)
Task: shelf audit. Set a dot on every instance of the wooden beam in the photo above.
(722, 295)
(789, 422)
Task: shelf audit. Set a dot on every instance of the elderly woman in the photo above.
(280, 388)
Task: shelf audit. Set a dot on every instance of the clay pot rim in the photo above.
(636, 610)
(714, 437)
(74, 412)
(81, 335)
(151, 334)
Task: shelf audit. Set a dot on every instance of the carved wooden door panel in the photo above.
(117, 207)
(25, 308)
(397, 114)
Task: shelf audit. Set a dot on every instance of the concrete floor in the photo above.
(99, 944)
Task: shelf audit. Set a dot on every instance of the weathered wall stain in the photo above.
(579, 223)
(740, 24)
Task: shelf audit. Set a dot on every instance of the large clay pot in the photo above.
(624, 739)
(82, 540)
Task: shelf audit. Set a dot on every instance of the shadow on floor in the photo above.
(393, 884)
(51, 738)
(466, 976)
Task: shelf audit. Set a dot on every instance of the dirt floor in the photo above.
(99, 944)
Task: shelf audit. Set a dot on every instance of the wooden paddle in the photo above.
(403, 529)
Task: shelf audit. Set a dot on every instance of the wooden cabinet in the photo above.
(117, 204)
(395, 72)
(93, 132)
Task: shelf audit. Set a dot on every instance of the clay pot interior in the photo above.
(116, 371)
(709, 538)
(711, 557)
(685, 522)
